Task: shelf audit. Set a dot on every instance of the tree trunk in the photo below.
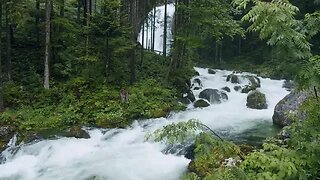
(47, 44)
(88, 25)
(216, 52)
(1, 84)
(9, 46)
(132, 53)
(37, 21)
(154, 28)
(220, 56)
(78, 11)
(62, 8)
(165, 29)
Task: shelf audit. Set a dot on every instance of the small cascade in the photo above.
(159, 29)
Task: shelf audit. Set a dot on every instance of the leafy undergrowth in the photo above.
(296, 158)
(78, 102)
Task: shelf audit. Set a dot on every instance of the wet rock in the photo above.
(196, 84)
(227, 89)
(191, 96)
(289, 85)
(288, 108)
(77, 132)
(184, 100)
(201, 103)
(233, 78)
(257, 100)
(253, 81)
(6, 133)
(214, 96)
(248, 88)
(197, 81)
(237, 88)
(197, 88)
(211, 71)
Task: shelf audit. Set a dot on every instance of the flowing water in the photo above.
(159, 29)
(122, 154)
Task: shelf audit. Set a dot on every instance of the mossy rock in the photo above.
(257, 100)
(201, 103)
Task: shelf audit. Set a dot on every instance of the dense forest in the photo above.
(65, 63)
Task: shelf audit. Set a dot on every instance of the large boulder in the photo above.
(288, 108)
(257, 100)
(201, 103)
(6, 133)
(214, 96)
(233, 78)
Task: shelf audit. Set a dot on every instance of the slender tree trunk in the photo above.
(154, 28)
(216, 52)
(79, 10)
(62, 8)
(239, 46)
(9, 46)
(37, 21)
(142, 35)
(220, 56)
(1, 84)
(88, 5)
(147, 34)
(165, 29)
(133, 58)
(47, 44)
(107, 61)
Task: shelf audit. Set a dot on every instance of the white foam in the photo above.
(122, 154)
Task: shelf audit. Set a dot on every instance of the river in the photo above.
(123, 154)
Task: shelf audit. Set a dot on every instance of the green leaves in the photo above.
(275, 22)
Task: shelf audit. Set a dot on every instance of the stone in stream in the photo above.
(201, 103)
(256, 100)
(191, 96)
(237, 88)
(289, 85)
(196, 84)
(211, 71)
(233, 78)
(227, 89)
(214, 96)
(77, 132)
(288, 108)
(248, 88)
(6, 133)
(253, 81)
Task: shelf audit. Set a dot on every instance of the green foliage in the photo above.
(211, 159)
(175, 132)
(274, 162)
(275, 21)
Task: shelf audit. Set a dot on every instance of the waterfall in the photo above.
(123, 154)
(159, 25)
